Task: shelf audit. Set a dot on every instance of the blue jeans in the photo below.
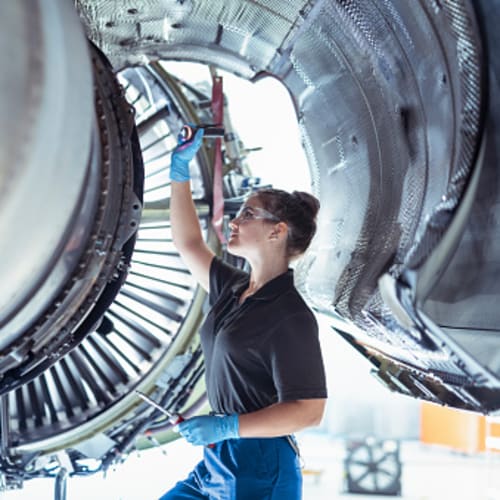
(243, 469)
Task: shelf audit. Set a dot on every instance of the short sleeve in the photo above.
(221, 276)
(296, 360)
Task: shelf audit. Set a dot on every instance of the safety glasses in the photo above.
(248, 213)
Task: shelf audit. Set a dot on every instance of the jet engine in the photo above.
(399, 110)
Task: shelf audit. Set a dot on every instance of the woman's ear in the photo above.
(280, 231)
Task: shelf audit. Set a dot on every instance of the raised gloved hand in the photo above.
(182, 155)
(208, 429)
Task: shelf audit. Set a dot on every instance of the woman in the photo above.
(264, 371)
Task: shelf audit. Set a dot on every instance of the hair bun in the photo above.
(298, 209)
(308, 201)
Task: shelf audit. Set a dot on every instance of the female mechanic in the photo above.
(264, 370)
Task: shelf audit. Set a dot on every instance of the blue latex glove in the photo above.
(182, 155)
(208, 429)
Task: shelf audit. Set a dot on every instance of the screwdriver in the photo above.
(173, 418)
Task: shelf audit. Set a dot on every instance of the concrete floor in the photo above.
(428, 472)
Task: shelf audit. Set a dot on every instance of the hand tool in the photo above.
(188, 131)
(172, 417)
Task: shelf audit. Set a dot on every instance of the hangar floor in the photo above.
(428, 473)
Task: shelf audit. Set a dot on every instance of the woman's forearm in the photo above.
(186, 229)
(187, 235)
(282, 418)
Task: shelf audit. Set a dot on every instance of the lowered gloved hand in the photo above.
(208, 429)
(183, 153)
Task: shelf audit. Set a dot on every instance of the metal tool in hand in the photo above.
(172, 417)
(188, 131)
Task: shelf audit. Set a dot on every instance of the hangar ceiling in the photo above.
(398, 107)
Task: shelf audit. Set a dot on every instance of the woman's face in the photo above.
(250, 228)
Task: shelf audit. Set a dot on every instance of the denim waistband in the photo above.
(289, 437)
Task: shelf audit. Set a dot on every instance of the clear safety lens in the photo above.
(247, 213)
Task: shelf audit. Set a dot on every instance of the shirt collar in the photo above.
(271, 289)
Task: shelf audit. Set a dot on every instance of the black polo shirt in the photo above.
(263, 351)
